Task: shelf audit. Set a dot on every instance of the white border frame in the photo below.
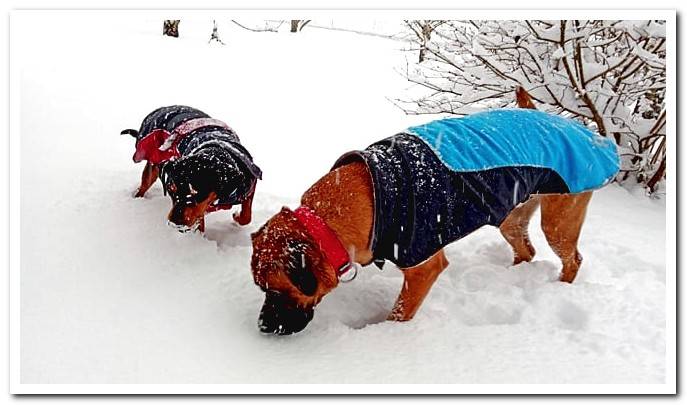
(16, 387)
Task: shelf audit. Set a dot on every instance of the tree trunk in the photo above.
(171, 28)
(297, 25)
(653, 182)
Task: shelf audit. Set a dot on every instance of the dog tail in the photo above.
(523, 98)
(131, 132)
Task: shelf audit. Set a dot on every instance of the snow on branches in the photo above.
(611, 75)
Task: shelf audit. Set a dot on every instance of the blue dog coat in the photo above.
(438, 182)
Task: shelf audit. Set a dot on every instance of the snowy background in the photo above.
(111, 294)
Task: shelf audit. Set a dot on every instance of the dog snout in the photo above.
(279, 318)
(179, 218)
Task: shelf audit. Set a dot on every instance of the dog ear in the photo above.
(231, 181)
(131, 132)
(298, 268)
(259, 232)
(287, 210)
(166, 177)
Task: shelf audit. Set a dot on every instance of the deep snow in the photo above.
(111, 294)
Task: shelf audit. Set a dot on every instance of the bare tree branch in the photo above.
(608, 74)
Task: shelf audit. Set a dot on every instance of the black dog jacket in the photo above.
(218, 140)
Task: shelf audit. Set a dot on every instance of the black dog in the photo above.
(200, 161)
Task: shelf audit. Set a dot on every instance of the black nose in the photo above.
(278, 317)
(176, 214)
(177, 219)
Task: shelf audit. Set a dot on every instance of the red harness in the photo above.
(329, 244)
(159, 146)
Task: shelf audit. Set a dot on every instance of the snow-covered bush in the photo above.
(611, 75)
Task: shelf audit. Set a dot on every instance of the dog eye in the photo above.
(200, 197)
(298, 267)
(297, 261)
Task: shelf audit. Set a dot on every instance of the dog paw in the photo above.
(398, 314)
(567, 276)
(395, 318)
(240, 220)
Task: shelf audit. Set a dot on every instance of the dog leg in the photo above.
(246, 214)
(562, 216)
(417, 282)
(201, 224)
(514, 230)
(150, 173)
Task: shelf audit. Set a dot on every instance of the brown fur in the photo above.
(417, 281)
(148, 177)
(194, 213)
(514, 230)
(244, 217)
(562, 216)
(270, 256)
(523, 98)
(344, 199)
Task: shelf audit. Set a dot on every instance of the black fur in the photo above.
(212, 159)
(278, 316)
(131, 132)
(298, 269)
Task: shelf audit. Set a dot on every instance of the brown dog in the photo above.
(292, 260)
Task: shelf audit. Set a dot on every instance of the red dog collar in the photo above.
(329, 244)
(160, 145)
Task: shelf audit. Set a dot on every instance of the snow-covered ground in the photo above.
(111, 294)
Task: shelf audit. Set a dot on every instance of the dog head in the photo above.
(196, 181)
(289, 267)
